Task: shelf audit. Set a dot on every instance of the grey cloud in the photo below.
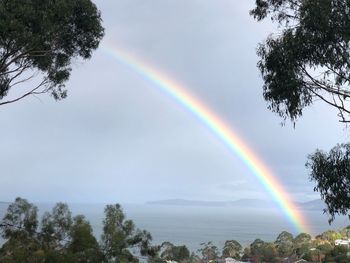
(117, 138)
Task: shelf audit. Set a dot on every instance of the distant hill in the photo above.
(317, 204)
(248, 203)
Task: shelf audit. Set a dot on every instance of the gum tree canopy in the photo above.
(309, 60)
(39, 39)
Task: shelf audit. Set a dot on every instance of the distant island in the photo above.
(317, 204)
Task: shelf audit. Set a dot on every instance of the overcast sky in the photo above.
(117, 138)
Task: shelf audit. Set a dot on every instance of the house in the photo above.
(227, 260)
(232, 260)
(342, 242)
(294, 259)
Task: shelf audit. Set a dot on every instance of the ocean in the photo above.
(193, 225)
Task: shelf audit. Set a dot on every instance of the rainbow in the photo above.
(223, 132)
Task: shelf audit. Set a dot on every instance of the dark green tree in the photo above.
(246, 254)
(39, 39)
(232, 249)
(284, 244)
(257, 248)
(339, 254)
(345, 232)
(169, 251)
(56, 226)
(83, 244)
(208, 251)
(302, 244)
(331, 172)
(19, 230)
(307, 61)
(330, 236)
(20, 221)
(120, 236)
(194, 258)
(263, 252)
(63, 238)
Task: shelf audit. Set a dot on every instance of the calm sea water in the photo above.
(194, 225)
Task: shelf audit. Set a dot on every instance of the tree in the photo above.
(56, 226)
(261, 251)
(246, 254)
(177, 253)
(83, 244)
(120, 236)
(63, 238)
(20, 221)
(256, 248)
(308, 61)
(284, 244)
(209, 251)
(330, 236)
(331, 172)
(19, 230)
(232, 249)
(338, 254)
(345, 232)
(39, 39)
(302, 244)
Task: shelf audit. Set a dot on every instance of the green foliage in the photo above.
(302, 244)
(41, 38)
(120, 234)
(246, 254)
(208, 251)
(18, 228)
(284, 244)
(264, 252)
(331, 172)
(83, 244)
(169, 251)
(61, 238)
(55, 226)
(309, 59)
(232, 249)
(20, 221)
(338, 255)
(345, 232)
(330, 236)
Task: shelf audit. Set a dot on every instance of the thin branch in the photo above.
(33, 91)
(22, 64)
(23, 80)
(337, 73)
(25, 54)
(19, 73)
(323, 86)
(325, 100)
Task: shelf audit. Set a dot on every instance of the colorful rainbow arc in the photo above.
(226, 134)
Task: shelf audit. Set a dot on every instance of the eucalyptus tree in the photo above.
(120, 237)
(308, 60)
(169, 251)
(233, 249)
(284, 244)
(38, 41)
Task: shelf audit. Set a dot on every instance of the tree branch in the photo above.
(31, 92)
